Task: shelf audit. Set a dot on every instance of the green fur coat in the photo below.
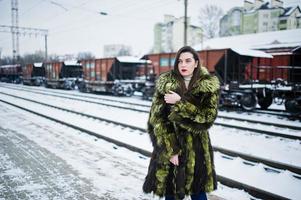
(182, 129)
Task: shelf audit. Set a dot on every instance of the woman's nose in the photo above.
(183, 64)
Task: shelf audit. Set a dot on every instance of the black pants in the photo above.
(200, 196)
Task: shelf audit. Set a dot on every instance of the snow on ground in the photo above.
(108, 168)
(104, 170)
(67, 145)
(282, 150)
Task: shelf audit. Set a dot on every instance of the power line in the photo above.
(26, 31)
(128, 8)
(32, 7)
(59, 5)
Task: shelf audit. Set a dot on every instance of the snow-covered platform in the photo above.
(30, 171)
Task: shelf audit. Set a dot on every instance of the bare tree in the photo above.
(38, 56)
(6, 60)
(53, 58)
(85, 55)
(209, 20)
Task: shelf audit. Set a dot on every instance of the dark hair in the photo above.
(196, 71)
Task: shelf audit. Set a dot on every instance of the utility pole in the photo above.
(185, 22)
(46, 49)
(27, 31)
(15, 29)
(0, 55)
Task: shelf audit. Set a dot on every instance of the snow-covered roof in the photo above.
(254, 41)
(9, 66)
(71, 62)
(273, 46)
(296, 49)
(266, 5)
(39, 64)
(251, 52)
(287, 11)
(131, 59)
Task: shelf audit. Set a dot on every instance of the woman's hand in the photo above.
(172, 97)
(174, 159)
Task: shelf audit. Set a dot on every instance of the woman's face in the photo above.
(186, 64)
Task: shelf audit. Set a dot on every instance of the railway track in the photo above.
(273, 112)
(224, 180)
(108, 98)
(277, 112)
(222, 120)
(94, 100)
(225, 151)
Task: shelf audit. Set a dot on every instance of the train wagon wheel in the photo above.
(293, 106)
(278, 98)
(248, 101)
(129, 92)
(82, 87)
(265, 101)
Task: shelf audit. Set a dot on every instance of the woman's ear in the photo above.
(196, 64)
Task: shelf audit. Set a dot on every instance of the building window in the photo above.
(236, 18)
(282, 21)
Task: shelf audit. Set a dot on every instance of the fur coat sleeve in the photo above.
(197, 109)
(160, 128)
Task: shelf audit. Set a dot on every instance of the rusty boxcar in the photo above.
(244, 74)
(33, 74)
(11, 73)
(62, 75)
(119, 75)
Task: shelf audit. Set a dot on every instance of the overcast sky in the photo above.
(76, 25)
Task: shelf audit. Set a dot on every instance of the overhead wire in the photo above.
(128, 7)
(113, 15)
(32, 7)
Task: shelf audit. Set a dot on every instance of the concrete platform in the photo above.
(28, 171)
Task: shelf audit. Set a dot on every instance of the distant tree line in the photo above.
(39, 56)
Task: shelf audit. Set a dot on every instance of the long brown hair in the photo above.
(196, 71)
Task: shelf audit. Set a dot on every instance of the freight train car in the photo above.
(11, 73)
(120, 75)
(161, 62)
(33, 74)
(228, 64)
(284, 65)
(241, 74)
(64, 75)
(278, 79)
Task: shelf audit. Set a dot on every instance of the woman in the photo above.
(184, 108)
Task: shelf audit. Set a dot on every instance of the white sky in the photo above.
(76, 26)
